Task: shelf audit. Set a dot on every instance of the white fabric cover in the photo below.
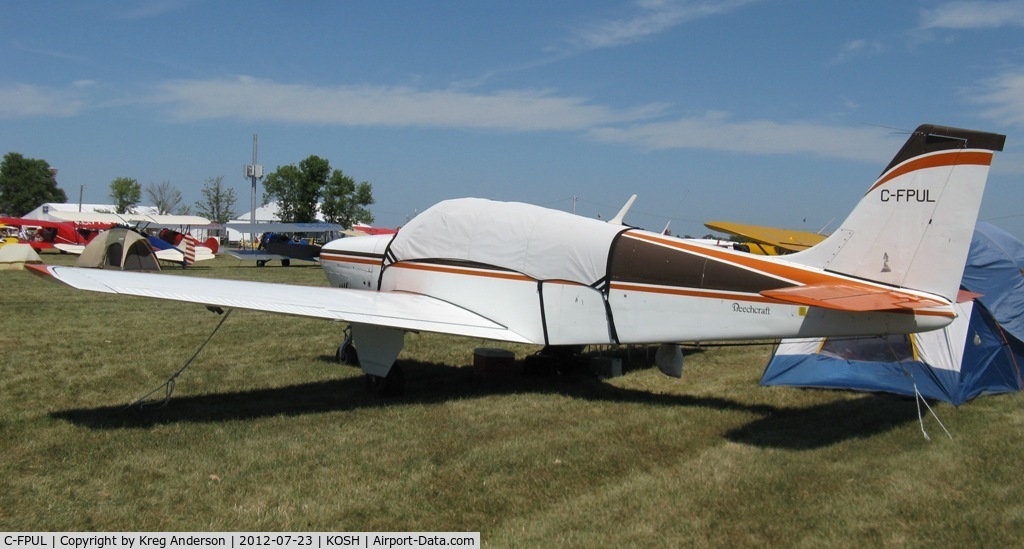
(539, 242)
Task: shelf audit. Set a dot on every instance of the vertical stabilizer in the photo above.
(913, 227)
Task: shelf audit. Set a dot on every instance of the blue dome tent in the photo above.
(981, 352)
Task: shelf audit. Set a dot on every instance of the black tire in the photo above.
(346, 354)
(391, 386)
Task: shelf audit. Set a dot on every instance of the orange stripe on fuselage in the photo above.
(350, 259)
(507, 275)
(693, 292)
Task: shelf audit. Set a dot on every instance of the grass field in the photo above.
(265, 432)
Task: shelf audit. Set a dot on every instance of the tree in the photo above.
(344, 202)
(217, 202)
(165, 197)
(126, 194)
(26, 183)
(297, 189)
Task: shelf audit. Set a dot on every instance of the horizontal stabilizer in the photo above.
(964, 296)
(852, 297)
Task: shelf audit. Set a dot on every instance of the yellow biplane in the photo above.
(8, 235)
(768, 240)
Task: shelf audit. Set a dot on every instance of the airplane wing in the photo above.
(22, 222)
(852, 298)
(74, 249)
(361, 229)
(90, 217)
(176, 220)
(146, 219)
(281, 227)
(786, 239)
(257, 255)
(404, 311)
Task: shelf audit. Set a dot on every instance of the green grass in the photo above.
(265, 432)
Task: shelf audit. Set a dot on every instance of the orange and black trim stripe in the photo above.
(945, 159)
(929, 138)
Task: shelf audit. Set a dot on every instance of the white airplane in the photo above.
(521, 273)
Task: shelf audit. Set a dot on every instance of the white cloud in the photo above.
(974, 15)
(650, 17)
(151, 9)
(716, 132)
(250, 99)
(246, 98)
(51, 53)
(1005, 95)
(25, 100)
(857, 48)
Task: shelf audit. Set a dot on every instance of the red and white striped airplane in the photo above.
(522, 273)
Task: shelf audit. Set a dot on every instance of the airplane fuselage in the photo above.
(516, 272)
(654, 289)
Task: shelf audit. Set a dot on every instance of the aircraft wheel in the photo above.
(346, 354)
(260, 263)
(388, 387)
(286, 262)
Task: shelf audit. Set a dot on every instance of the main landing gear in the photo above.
(263, 262)
(346, 353)
(390, 385)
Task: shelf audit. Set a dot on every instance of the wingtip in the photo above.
(39, 270)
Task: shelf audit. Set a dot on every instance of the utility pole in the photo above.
(253, 171)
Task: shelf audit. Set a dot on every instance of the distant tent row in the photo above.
(118, 248)
(981, 352)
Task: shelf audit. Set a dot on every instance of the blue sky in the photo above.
(771, 112)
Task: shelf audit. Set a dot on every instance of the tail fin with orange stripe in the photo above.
(913, 227)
